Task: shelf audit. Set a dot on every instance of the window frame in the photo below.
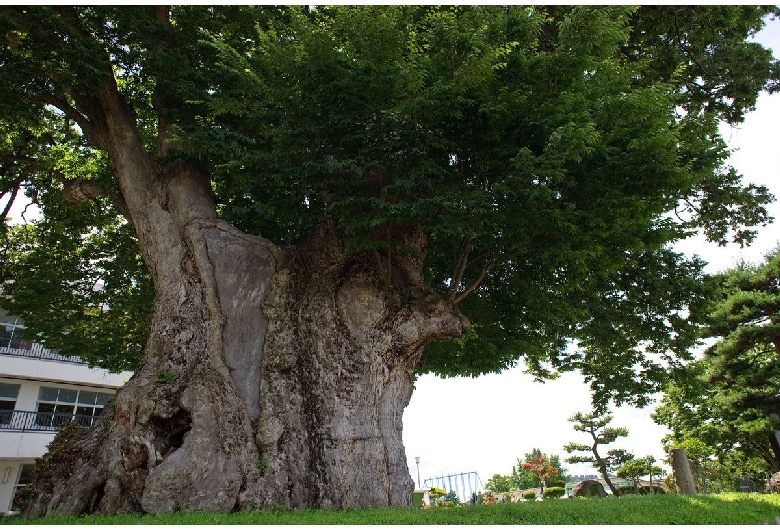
(57, 415)
(7, 414)
(17, 484)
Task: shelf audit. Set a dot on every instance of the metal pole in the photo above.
(417, 460)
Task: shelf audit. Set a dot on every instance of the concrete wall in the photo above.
(18, 367)
(31, 444)
(9, 472)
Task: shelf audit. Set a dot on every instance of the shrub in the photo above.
(641, 490)
(557, 483)
(670, 483)
(529, 495)
(55, 466)
(554, 492)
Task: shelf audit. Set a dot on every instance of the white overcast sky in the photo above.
(485, 424)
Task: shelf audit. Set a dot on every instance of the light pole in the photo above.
(417, 460)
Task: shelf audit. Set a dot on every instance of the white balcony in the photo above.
(24, 421)
(33, 350)
(51, 369)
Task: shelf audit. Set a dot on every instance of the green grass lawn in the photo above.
(727, 508)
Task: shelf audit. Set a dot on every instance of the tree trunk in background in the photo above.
(605, 472)
(774, 438)
(682, 472)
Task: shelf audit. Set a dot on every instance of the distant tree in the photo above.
(595, 424)
(526, 479)
(522, 478)
(453, 497)
(635, 468)
(541, 467)
(618, 457)
(499, 483)
(560, 471)
(742, 310)
(654, 471)
(727, 399)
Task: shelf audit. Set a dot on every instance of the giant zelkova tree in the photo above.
(276, 216)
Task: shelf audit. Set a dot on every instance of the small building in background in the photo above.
(624, 485)
(39, 391)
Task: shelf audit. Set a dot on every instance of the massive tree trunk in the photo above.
(271, 377)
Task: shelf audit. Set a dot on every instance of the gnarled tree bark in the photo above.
(271, 377)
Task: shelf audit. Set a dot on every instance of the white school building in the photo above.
(40, 390)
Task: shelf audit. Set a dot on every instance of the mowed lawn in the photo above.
(727, 508)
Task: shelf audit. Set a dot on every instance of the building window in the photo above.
(10, 337)
(24, 477)
(61, 405)
(7, 333)
(8, 395)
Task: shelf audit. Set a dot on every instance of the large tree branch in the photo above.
(165, 128)
(485, 270)
(87, 126)
(460, 267)
(15, 183)
(11, 199)
(683, 48)
(16, 159)
(87, 112)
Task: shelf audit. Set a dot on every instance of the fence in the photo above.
(465, 485)
(26, 421)
(36, 351)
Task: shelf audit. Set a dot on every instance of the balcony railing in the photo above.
(34, 350)
(25, 421)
